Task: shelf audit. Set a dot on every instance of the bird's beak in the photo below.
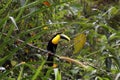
(63, 36)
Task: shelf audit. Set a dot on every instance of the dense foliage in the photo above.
(26, 26)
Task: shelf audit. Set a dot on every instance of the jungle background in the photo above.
(26, 26)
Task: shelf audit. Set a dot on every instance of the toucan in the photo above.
(52, 45)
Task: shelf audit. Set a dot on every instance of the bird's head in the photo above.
(52, 45)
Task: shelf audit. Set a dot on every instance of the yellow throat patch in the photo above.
(56, 39)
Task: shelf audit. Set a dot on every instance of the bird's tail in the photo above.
(50, 60)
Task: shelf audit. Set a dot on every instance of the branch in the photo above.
(48, 52)
(74, 61)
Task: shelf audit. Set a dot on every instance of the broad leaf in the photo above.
(79, 42)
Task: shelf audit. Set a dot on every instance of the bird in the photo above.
(52, 46)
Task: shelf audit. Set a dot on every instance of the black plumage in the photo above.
(52, 48)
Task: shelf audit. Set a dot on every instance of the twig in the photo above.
(31, 45)
(73, 60)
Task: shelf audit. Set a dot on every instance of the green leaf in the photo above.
(20, 74)
(112, 11)
(38, 71)
(79, 42)
(57, 74)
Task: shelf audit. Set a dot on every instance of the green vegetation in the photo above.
(26, 26)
